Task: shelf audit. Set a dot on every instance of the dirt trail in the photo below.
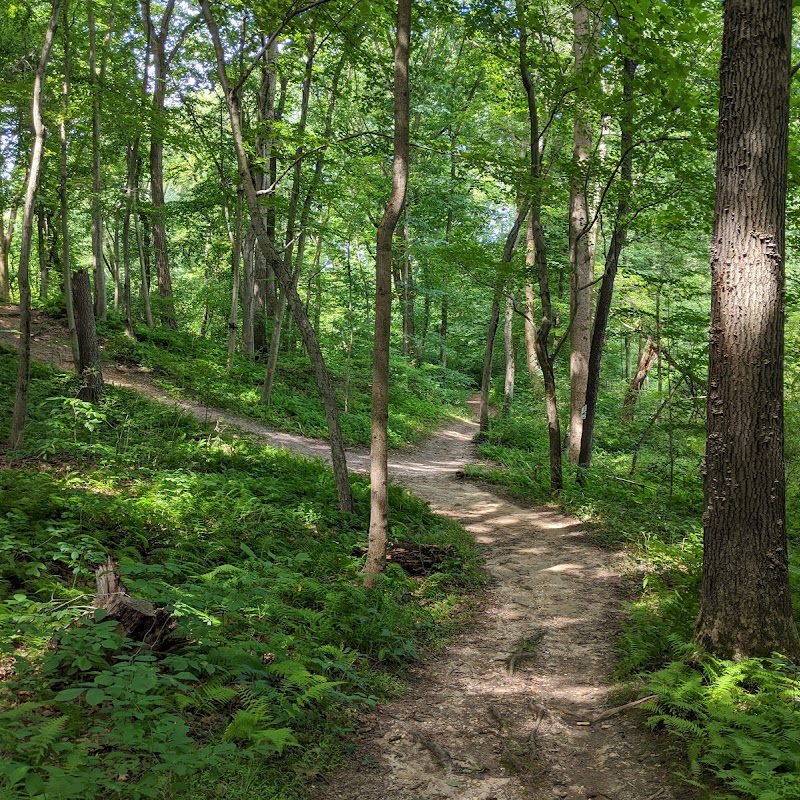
(502, 713)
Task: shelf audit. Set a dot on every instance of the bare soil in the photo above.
(509, 710)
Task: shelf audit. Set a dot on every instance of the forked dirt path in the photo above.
(510, 709)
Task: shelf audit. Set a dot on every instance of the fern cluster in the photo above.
(739, 720)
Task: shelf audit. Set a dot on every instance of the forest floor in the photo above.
(517, 706)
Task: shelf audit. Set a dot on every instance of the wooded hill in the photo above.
(340, 218)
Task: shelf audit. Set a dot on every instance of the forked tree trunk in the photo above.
(338, 458)
(89, 368)
(379, 472)
(34, 175)
(745, 598)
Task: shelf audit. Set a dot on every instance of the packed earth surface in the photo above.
(520, 705)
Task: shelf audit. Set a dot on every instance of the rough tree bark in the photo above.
(379, 472)
(745, 601)
(338, 458)
(34, 175)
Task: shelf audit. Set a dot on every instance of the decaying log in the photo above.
(138, 619)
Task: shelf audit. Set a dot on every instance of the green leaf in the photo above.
(68, 694)
(96, 696)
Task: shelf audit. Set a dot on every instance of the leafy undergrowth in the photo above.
(738, 723)
(277, 644)
(418, 402)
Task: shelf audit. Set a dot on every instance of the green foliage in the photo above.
(277, 643)
(737, 719)
(418, 401)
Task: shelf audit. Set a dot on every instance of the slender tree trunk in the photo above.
(34, 175)
(63, 190)
(236, 249)
(488, 353)
(580, 249)
(158, 47)
(100, 302)
(305, 216)
(646, 361)
(530, 325)
(130, 191)
(89, 367)
(745, 597)
(6, 237)
(338, 459)
(612, 262)
(379, 474)
(143, 264)
(537, 254)
(508, 340)
(443, 333)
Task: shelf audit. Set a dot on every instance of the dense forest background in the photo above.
(561, 172)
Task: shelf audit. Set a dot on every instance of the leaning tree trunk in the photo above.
(646, 361)
(612, 262)
(379, 471)
(338, 458)
(89, 368)
(745, 598)
(488, 355)
(34, 176)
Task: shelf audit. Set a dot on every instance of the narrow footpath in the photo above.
(517, 707)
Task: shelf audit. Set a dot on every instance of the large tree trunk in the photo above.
(379, 472)
(34, 176)
(612, 262)
(581, 253)
(89, 361)
(338, 458)
(745, 600)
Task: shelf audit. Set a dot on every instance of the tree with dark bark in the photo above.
(379, 472)
(618, 239)
(89, 367)
(32, 187)
(745, 602)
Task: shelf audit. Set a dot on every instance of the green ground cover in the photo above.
(277, 644)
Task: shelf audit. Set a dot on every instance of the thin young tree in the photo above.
(296, 305)
(745, 600)
(379, 472)
(34, 177)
